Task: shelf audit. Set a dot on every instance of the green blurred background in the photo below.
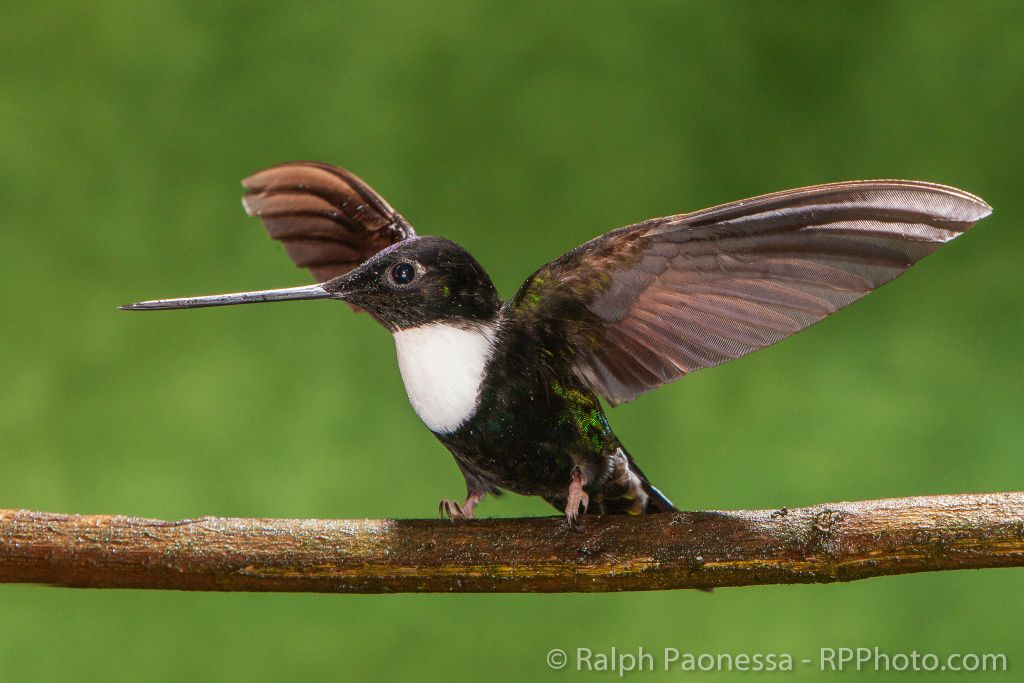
(519, 130)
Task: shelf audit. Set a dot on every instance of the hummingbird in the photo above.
(512, 387)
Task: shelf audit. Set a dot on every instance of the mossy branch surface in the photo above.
(710, 549)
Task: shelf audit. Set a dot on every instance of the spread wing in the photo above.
(648, 303)
(328, 219)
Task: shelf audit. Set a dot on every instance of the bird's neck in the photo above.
(443, 366)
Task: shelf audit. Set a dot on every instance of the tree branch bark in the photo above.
(820, 544)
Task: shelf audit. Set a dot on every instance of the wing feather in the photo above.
(328, 220)
(648, 303)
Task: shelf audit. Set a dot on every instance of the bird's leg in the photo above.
(577, 497)
(452, 510)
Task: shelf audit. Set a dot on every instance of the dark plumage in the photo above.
(511, 387)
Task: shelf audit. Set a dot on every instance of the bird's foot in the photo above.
(577, 498)
(452, 510)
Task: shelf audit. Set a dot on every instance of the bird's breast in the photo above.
(443, 366)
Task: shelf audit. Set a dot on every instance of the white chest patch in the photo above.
(442, 368)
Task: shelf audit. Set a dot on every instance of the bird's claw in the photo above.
(451, 509)
(577, 498)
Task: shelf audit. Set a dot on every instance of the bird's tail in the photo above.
(628, 491)
(656, 500)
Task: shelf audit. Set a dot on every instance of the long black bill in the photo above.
(264, 296)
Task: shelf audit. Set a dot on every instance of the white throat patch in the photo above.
(442, 367)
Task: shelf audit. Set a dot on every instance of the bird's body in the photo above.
(498, 390)
(530, 420)
(511, 387)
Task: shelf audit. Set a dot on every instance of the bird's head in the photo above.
(419, 281)
(414, 282)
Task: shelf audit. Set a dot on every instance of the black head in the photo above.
(417, 281)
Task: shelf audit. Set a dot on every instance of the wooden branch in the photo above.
(821, 544)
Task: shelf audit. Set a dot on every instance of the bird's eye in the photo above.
(403, 273)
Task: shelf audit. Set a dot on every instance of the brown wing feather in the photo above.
(648, 303)
(328, 219)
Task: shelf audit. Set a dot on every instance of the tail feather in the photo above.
(626, 491)
(629, 492)
(656, 500)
